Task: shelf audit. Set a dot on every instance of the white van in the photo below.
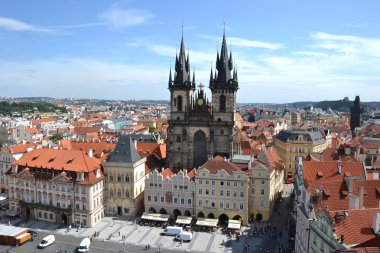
(84, 245)
(184, 236)
(50, 239)
(171, 230)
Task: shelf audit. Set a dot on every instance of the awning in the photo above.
(234, 224)
(155, 216)
(207, 222)
(183, 220)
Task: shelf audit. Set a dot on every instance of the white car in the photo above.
(50, 239)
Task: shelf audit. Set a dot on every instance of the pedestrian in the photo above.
(148, 246)
(91, 239)
(119, 232)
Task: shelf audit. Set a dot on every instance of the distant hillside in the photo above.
(336, 105)
(7, 108)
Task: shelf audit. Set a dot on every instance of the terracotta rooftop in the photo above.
(70, 160)
(356, 227)
(218, 163)
(330, 170)
(86, 130)
(167, 173)
(22, 148)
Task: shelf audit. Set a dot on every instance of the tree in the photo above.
(56, 137)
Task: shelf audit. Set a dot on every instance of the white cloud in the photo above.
(240, 42)
(16, 25)
(123, 18)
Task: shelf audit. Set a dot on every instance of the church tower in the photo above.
(181, 89)
(199, 129)
(223, 86)
(355, 115)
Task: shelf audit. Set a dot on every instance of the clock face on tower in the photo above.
(200, 101)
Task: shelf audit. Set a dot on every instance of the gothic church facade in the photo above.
(199, 128)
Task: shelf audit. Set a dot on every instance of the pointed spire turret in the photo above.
(230, 63)
(211, 75)
(170, 76)
(182, 66)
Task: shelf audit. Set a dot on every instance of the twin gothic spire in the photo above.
(222, 77)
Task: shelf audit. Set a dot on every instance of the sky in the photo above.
(284, 51)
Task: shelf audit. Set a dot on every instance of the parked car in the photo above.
(184, 236)
(172, 230)
(84, 245)
(50, 239)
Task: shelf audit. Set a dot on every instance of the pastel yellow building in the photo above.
(292, 144)
(222, 191)
(125, 183)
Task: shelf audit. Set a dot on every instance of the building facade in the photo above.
(125, 171)
(222, 191)
(169, 193)
(199, 128)
(293, 144)
(61, 186)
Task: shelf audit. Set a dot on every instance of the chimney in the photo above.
(90, 153)
(376, 223)
(361, 197)
(339, 166)
(135, 142)
(353, 202)
(348, 181)
(347, 151)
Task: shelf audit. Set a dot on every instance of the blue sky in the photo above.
(285, 51)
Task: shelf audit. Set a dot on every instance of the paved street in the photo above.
(137, 237)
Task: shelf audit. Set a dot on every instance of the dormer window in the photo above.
(80, 176)
(70, 161)
(51, 160)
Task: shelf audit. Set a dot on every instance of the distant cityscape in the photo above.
(217, 175)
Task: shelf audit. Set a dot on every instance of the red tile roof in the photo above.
(218, 163)
(167, 173)
(330, 170)
(32, 130)
(35, 122)
(70, 160)
(86, 130)
(23, 148)
(356, 226)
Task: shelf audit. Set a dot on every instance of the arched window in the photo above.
(118, 178)
(119, 194)
(179, 103)
(111, 193)
(178, 138)
(127, 193)
(222, 103)
(127, 179)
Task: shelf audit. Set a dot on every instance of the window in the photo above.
(162, 199)
(242, 194)
(213, 204)
(175, 200)
(178, 139)
(235, 205)
(262, 191)
(212, 182)
(207, 191)
(241, 205)
(39, 215)
(253, 190)
(241, 184)
(179, 103)
(182, 201)
(221, 183)
(119, 178)
(111, 178)
(222, 103)
(228, 205)
(200, 191)
(127, 193)
(149, 198)
(227, 193)
(228, 183)
(213, 192)
(221, 131)
(261, 203)
(235, 184)
(221, 192)
(127, 179)
(155, 199)
(262, 182)
(189, 202)
(45, 215)
(235, 194)
(206, 202)
(119, 194)
(221, 204)
(200, 181)
(200, 202)
(111, 193)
